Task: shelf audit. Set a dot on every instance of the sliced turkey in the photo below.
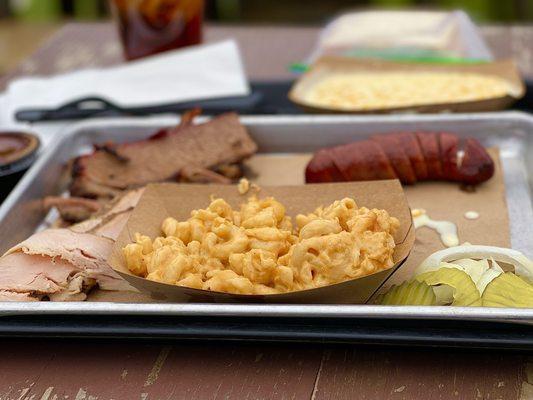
(64, 264)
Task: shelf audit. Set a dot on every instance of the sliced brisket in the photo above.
(168, 155)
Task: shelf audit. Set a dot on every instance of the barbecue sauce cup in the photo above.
(18, 151)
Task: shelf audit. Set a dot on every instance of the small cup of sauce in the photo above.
(18, 151)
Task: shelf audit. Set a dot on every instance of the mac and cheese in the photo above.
(258, 250)
(378, 90)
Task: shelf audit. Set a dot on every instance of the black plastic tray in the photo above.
(358, 331)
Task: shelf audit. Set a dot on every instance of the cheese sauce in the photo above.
(471, 215)
(446, 229)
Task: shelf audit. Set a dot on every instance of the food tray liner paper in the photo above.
(446, 201)
(330, 65)
(160, 201)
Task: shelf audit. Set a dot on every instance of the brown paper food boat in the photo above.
(330, 65)
(160, 201)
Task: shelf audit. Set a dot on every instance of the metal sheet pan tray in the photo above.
(21, 215)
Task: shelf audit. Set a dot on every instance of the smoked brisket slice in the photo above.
(165, 156)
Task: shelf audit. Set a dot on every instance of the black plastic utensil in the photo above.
(98, 107)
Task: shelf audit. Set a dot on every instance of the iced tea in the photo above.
(148, 27)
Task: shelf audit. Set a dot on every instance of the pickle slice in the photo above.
(468, 276)
(465, 290)
(412, 293)
(508, 290)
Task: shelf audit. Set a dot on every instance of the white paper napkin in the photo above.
(198, 72)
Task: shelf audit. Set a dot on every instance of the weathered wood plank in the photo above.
(74, 369)
(238, 371)
(354, 373)
(89, 370)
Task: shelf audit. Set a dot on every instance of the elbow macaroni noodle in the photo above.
(257, 250)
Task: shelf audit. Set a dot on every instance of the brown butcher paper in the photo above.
(448, 201)
(442, 201)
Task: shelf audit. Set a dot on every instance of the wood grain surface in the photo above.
(18, 40)
(83, 370)
(50, 370)
(267, 51)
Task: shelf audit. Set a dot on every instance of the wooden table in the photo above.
(84, 370)
(18, 40)
(267, 50)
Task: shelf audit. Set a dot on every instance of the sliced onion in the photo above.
(487, 278)
(522, 265)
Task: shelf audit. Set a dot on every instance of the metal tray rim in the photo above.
(267, 310)
(162, 119)
(521, 315)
